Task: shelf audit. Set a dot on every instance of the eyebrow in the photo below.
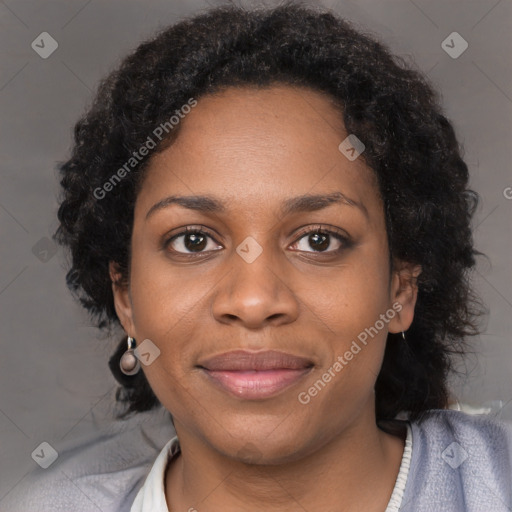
(304, 203)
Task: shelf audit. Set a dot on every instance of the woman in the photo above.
(276, 211)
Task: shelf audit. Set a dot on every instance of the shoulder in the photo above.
(459, 462)
(482, 433)
(102, 471)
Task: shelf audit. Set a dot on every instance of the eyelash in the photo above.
(343, 239)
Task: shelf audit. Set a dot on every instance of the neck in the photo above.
(357, 468)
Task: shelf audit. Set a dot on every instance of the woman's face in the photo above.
(258, 278)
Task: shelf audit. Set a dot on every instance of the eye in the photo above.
(320, 239)
(190, 241)
(195, 240)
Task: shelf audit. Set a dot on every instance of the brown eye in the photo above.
(190, 241)
(320, 240)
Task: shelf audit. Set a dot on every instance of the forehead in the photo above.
(248, 144)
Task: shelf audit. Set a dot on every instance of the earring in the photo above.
(403, 335)
(129, 363)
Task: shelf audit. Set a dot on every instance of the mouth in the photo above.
(255, 375)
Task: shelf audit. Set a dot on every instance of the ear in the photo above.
(122, 299)
(404, 291)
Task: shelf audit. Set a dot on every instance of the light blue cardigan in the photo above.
(459, 463)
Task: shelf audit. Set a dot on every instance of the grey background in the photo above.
(54, 379)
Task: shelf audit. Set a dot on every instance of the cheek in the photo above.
(163, 298)
(165, 308)
(346, 381)
(354, 296)
(350, 307)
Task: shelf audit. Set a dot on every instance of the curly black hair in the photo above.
(390, 106)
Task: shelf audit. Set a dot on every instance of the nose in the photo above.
(256, 294)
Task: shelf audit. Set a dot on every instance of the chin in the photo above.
(258, 445)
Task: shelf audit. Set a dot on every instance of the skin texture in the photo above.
(252, 149)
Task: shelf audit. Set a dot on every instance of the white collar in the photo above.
(151, 496)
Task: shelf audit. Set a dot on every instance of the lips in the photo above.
(242, 360)
(255, 375)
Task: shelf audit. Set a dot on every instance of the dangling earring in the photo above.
(403, 335)
(129, 363)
